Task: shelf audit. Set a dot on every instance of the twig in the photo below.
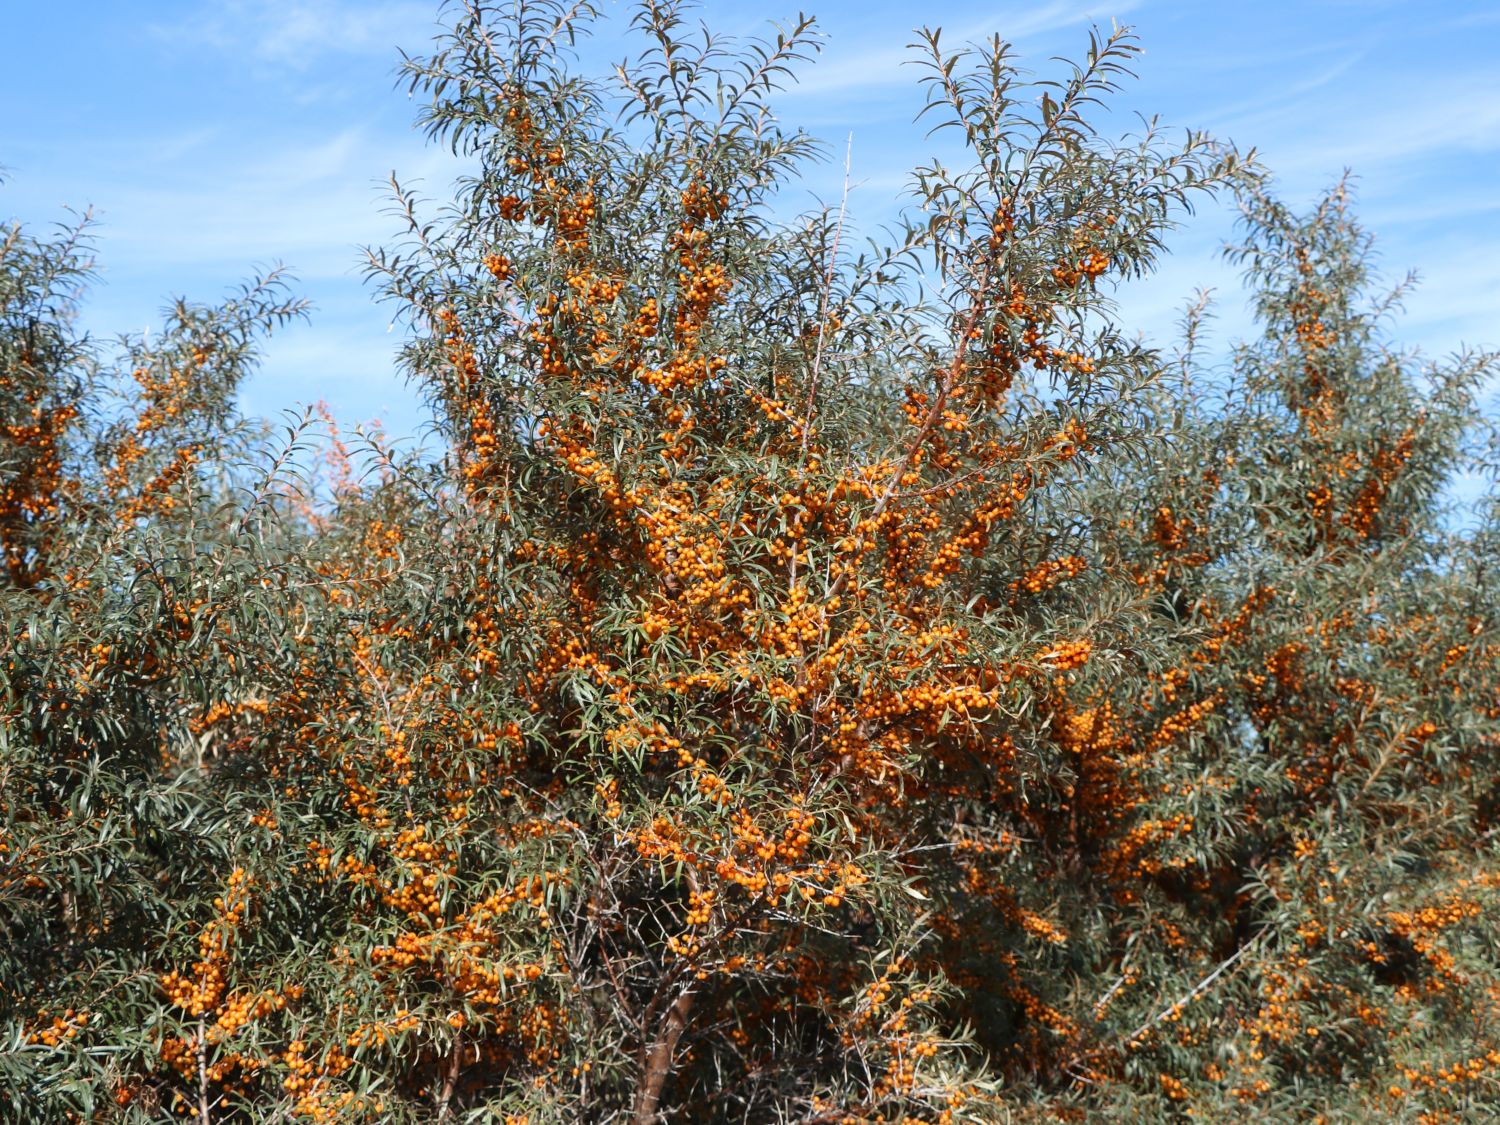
(450, 1079)
(202, 1072)
(817, 367)
(1195, 991)
(939, 404)
(833, 257)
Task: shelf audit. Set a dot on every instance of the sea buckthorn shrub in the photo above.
(1305, 817)
(121, 552)
(807, 687)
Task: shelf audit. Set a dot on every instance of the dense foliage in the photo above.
(810, 688)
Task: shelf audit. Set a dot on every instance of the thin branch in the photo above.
(833, 257)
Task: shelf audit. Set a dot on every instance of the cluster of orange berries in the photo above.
(699, 202)
(220, 711)
(1067, 656)
(382, 541)
(575, 213)
(202, 993)
(1132, 854)
(156, 497)
(1387, 464)
(797, 623)
(398, 755)
(1230, 630)
(930, 703)
(973, 536)
(609, 795)
(59, 1029)
(1172, 1087)
(1069, 273)
(481, 440)
(32, 491)
(166, 397)
(1168, 532)
(1172, 534)
(1045, 575)
(379, 1033)
(418, 897)
(1179, 723)
(1313, 334)
(237, 1012)
(229, 1071)
(702, 284)
(308, 1082)
(511, 208)
(364, 802)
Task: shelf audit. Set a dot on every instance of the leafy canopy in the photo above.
(813, 686)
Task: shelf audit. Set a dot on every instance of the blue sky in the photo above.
(216, 136)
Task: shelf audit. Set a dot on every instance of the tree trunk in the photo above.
(656, 1061)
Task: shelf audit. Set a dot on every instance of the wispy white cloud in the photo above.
(310, 205)
(193, 199)
(871, 67)
(1370, 131)
(297, 33)
(1403, 210)
(1282, 94)
(339, 359)
(1490, 17)
(1456, 304)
